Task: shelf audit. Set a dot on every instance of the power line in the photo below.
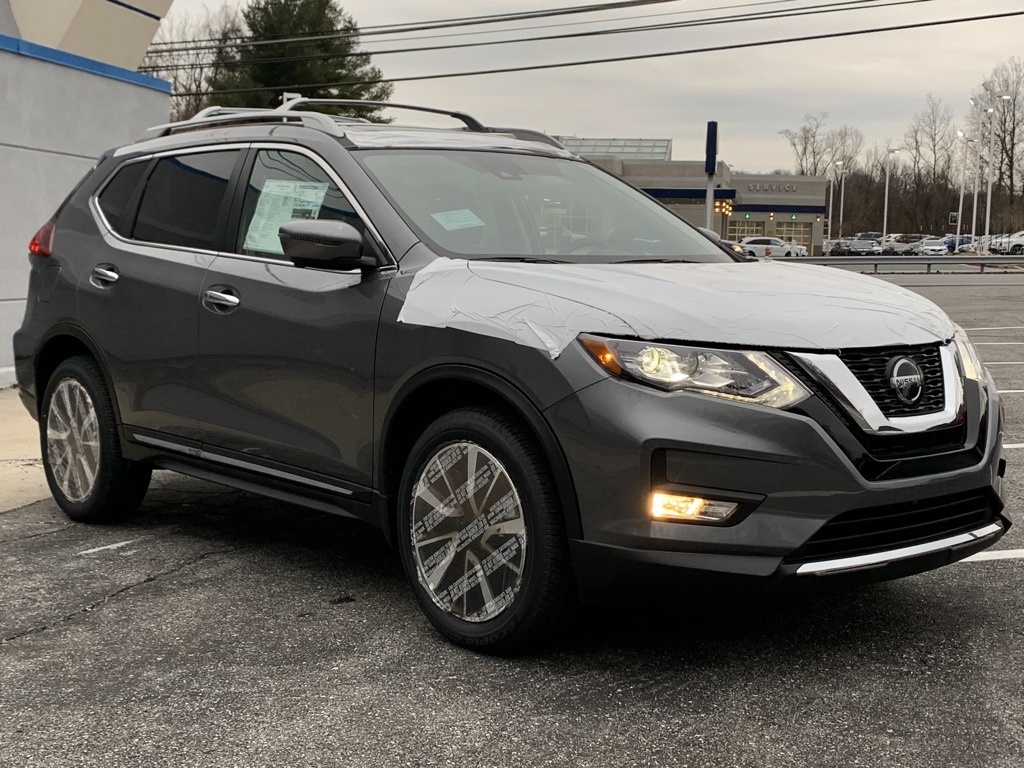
(813, 10)
(614, 59)
(519, 28)
(389, 29)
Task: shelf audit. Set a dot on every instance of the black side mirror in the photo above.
(325, 244)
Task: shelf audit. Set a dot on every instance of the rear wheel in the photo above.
(89, 478)
(481, 533)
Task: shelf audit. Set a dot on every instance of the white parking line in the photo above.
(109, 546)
(999, 328)
(998, 343)
(1011, 392)
(999, 554)
(1013, 445)
(1015, 362)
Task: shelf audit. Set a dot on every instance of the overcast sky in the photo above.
(873, 82)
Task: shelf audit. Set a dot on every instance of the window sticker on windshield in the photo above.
(280, 202)
(463, 218)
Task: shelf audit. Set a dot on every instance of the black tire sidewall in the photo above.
(110, 495)
(536, 490)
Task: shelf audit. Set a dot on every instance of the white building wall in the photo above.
(55, 120)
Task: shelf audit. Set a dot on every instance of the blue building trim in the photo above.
(762, 208)
(147, 14)
(669, 193)
(72, 61)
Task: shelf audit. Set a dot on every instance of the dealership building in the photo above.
(68, 92)
(748, 205)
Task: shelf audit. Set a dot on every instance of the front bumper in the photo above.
(623, 440)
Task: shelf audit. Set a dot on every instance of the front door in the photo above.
(286, 354)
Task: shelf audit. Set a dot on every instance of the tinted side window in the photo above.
(285, 186)
(183, 199)
(115, 195)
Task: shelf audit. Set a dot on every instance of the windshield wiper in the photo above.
(653, 261)
(525, 259)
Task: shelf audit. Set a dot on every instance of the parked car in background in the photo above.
(954, 245)
(893, 246)
(799, 251)
(864, 248)
(933, 246)
(876, 236)
(769, 246)
(1015, 245)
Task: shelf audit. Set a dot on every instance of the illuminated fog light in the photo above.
(671, 506)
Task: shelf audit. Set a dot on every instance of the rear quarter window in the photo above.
(117, 192)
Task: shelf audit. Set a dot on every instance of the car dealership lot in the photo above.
(221, 628)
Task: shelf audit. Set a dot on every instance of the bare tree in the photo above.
(1008, 80)
(815, 148)
(189, 67)
(809, 144)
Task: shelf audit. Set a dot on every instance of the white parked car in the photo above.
(933, 247)
(763, 247)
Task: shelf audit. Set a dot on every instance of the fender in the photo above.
(524, 407)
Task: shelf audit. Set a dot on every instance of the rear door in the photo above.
(163, 218)
(286, 354)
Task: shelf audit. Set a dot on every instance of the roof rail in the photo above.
(212, 116)
(471, 122)
(332, 124)
(528, 134)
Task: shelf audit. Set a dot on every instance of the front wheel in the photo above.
(481, 533)
(89, 478)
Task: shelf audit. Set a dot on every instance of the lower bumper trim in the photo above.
(881, 558)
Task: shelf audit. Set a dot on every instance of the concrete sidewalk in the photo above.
(21, 470)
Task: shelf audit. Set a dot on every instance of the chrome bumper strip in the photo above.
(876, 558)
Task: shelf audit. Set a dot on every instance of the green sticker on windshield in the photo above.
(463, 218)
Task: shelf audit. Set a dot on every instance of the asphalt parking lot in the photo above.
(222, 629)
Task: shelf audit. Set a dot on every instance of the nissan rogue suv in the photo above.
(533, 378)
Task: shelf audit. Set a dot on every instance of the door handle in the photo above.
(226, 300)
(104, 275)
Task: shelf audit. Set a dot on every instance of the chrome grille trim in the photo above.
(831, 372)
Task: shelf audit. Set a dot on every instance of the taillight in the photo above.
(42, 242)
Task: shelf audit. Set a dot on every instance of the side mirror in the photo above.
(325, 244)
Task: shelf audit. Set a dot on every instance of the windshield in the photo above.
(495, 205)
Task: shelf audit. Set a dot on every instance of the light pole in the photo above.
(991, 155)
(977, 174)
(831, 207)
(885, 209)
(831, 183)
(963, 180)
(842, 196)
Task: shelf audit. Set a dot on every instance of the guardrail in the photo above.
(959, 259)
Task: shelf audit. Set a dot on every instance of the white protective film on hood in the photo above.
(757, 304)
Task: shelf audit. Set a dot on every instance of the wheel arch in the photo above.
(436, 391)
(62, 342)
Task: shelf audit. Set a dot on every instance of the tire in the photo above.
(78, 434)
(504, 586)
(1017, 250)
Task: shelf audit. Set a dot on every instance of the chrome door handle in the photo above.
(104, 275)
(222, 299)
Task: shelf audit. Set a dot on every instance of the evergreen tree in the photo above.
(296, 66)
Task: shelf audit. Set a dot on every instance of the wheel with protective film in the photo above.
(481, 534)
(89, 478)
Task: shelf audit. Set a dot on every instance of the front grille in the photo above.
(869, 366)
(882, 446)
(878, 529)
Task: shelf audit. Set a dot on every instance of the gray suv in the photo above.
(535, 380)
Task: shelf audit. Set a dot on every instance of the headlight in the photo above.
(971, 363)
(751, 377)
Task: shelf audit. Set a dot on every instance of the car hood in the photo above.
(754, 304)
